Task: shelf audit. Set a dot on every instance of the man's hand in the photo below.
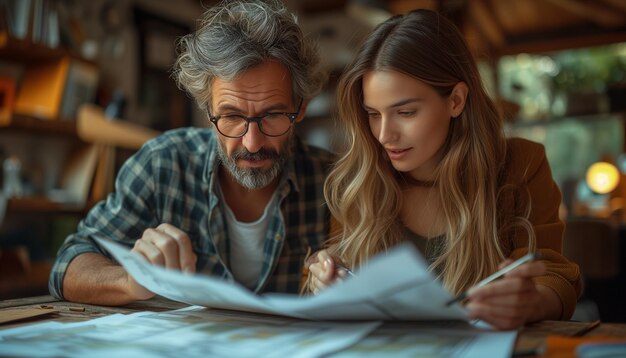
(166, 246)
(323, 271)
(93, 278)
(512, 301)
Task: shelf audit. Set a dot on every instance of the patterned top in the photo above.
(172, 179)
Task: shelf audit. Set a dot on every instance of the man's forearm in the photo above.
(92, 278)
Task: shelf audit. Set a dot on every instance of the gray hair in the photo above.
(235, 36)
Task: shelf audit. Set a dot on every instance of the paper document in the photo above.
(432, 339)
(393, 286)
(188, 332)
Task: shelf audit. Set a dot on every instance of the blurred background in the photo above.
(84, 83)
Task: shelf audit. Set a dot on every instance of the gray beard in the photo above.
(255, 178)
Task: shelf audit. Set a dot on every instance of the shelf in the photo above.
(32, 124)
(44, 205)
(26, 51)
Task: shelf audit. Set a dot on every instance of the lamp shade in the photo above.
(602, 177)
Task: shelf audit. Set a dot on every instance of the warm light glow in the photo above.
(602, 177)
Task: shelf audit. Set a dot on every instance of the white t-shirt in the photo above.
(247, 240)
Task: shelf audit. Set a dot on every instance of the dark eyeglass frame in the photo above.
(291, 115)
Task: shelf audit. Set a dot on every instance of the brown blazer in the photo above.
(528, 170)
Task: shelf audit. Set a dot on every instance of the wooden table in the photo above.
(530, 339)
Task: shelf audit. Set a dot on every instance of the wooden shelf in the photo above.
(44, 205)
(32, 124)
(13, 49)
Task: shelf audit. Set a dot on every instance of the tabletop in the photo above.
(531, 340)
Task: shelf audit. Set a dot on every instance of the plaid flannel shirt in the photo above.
(171, 179)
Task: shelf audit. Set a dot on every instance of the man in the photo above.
(242, 200)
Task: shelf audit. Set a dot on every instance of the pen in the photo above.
(588, 328)
(526, 258)
(344, 268)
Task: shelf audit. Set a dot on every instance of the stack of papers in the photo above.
(200, 332)
(189, 332)
(393, 286)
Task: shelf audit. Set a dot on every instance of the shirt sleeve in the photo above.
(563, 276)
(122, 217)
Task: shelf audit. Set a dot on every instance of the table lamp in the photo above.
(602, 177)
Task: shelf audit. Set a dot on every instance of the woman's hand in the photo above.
(512, 301)
(323, 271)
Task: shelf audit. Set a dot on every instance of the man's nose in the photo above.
(254, 139)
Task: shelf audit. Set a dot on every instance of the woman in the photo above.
(428, 162)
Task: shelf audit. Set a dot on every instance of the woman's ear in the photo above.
(457, 99)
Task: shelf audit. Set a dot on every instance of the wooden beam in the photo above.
(476, 42)
(620, 5)
(484, 20)
(556, 44)
(316, 7)
(404, 6)
(592, 11)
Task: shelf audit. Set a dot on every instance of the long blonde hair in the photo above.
(364, 192)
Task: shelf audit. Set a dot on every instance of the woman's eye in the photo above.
(373, 115)
(407, 113)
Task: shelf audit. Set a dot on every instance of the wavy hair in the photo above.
(235, 36)
(364, 192)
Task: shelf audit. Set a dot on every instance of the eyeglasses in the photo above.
(273, 124)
